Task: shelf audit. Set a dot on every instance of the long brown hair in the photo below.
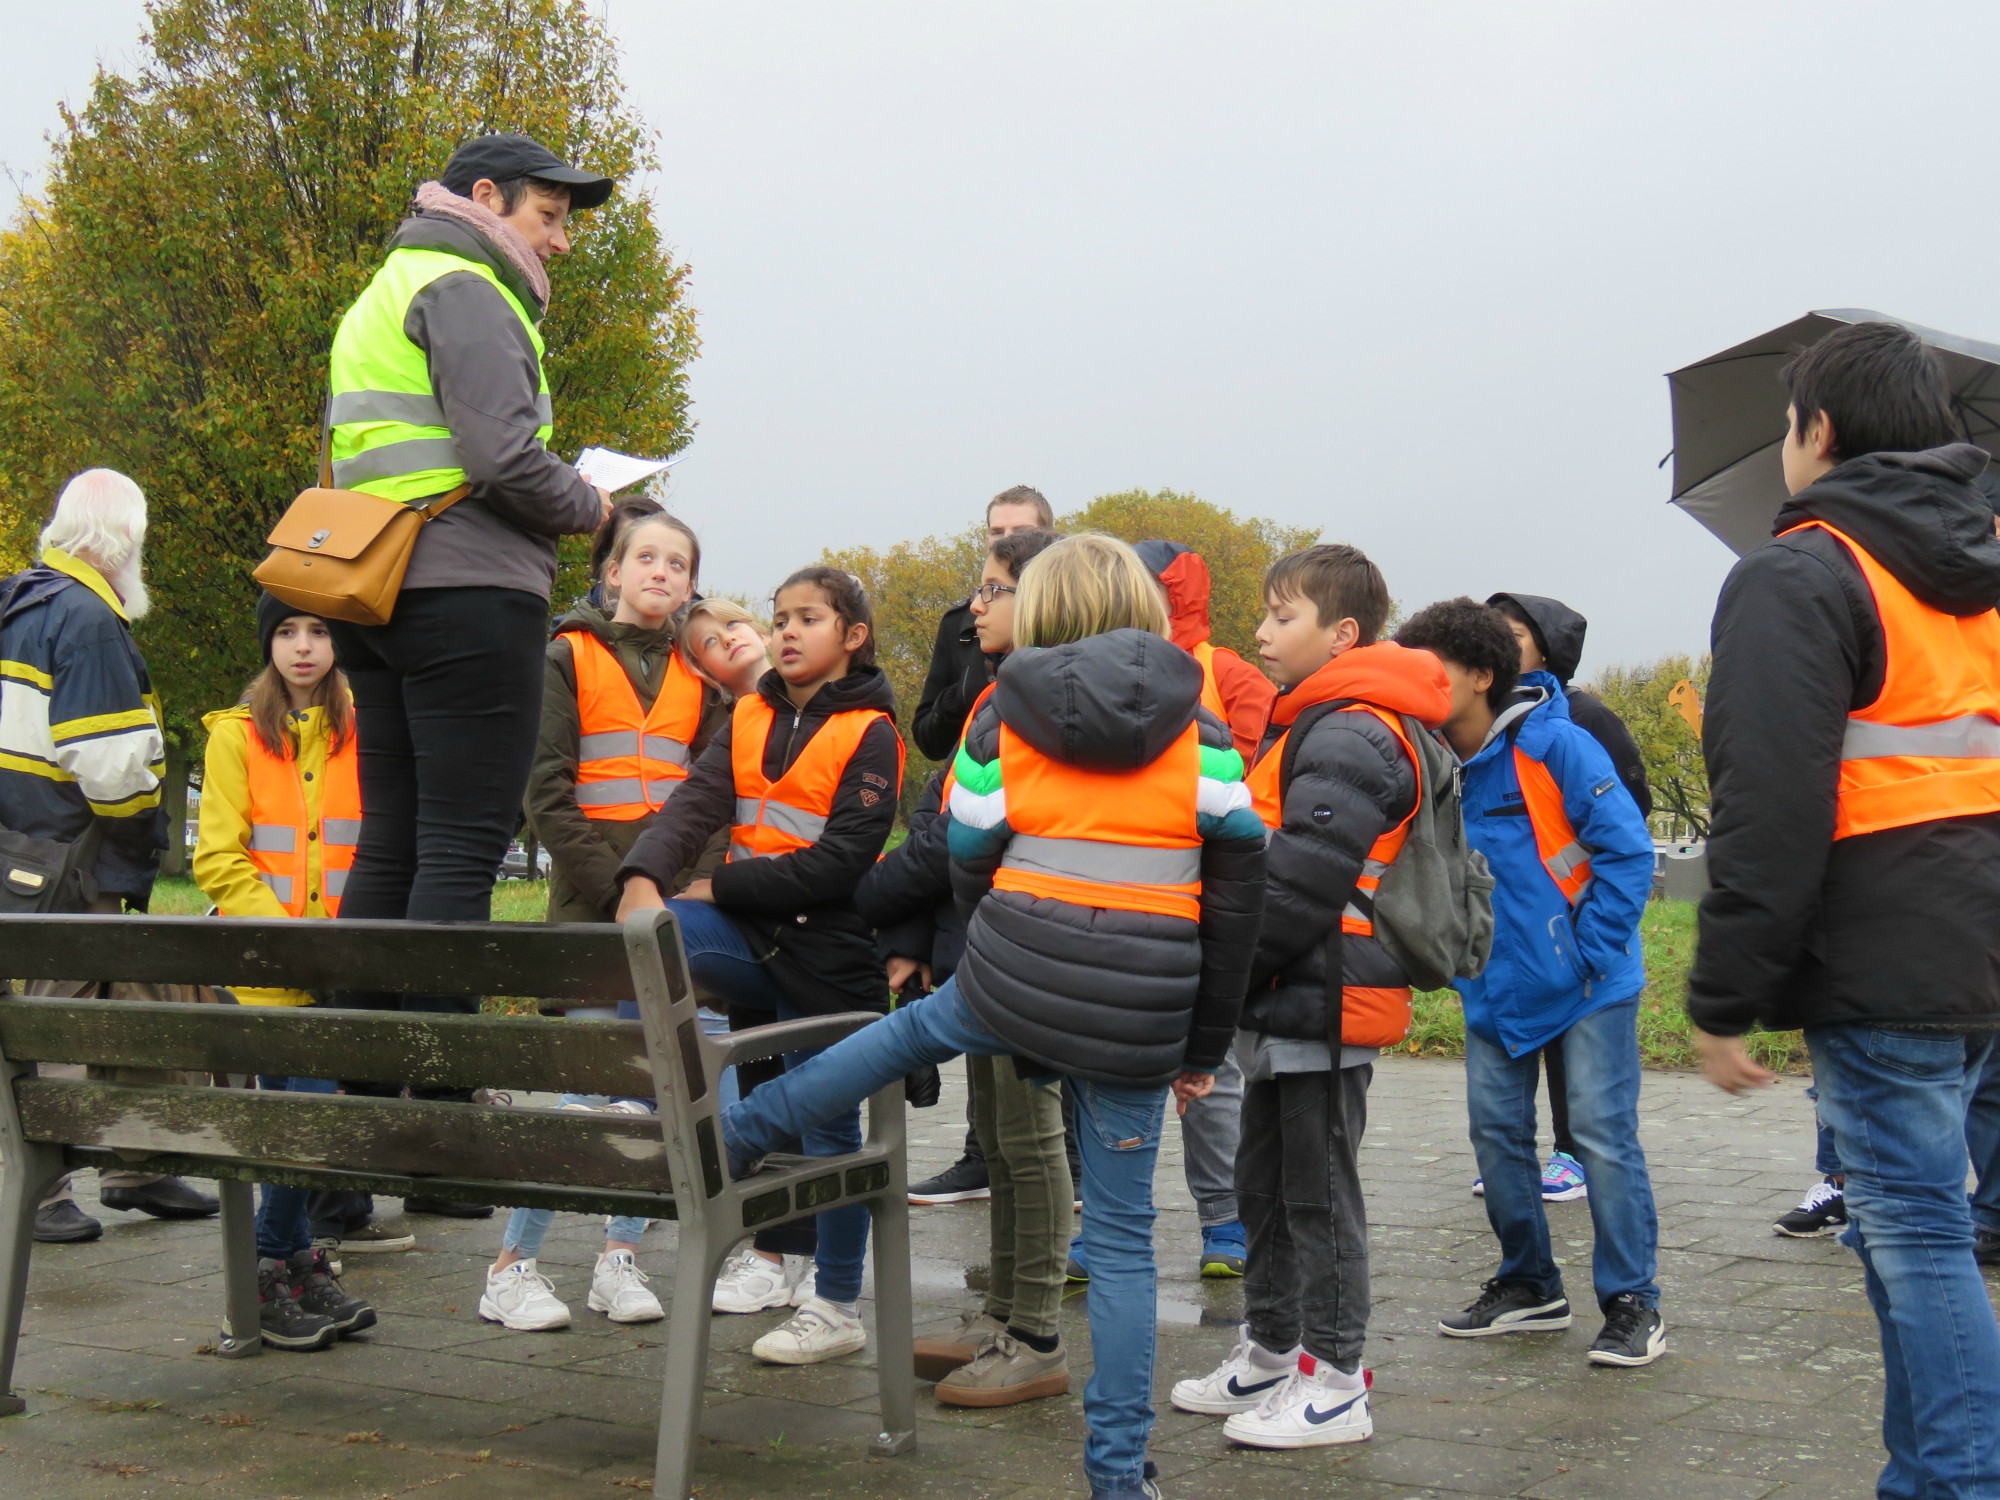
(270, 707)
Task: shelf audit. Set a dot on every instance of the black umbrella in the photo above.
(1729, 419)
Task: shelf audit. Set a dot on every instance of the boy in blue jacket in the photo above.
(1572, 864)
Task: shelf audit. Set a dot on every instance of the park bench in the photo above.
(666, 1167)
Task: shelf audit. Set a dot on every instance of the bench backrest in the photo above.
(663, 1055)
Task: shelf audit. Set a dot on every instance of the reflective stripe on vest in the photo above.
(1358, 917)
(1109, 840)
(1928, 747)
(629, 760)
(304, 862)
(390, 437)
(786, 815)
(1565, 856)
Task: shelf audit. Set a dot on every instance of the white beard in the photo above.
(130, 587)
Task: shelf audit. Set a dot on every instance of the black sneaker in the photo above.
(961, 1182)
(1823, 1211)
(319, 1291)
(1986, 1247)
(445, 1208)
(1634, 1334)
(282, 1318)
(1506, 1307)
(63, 1223)
(163, 1198)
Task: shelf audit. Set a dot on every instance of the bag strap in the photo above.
(430, 510)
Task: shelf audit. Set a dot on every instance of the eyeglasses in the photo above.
(991, 591)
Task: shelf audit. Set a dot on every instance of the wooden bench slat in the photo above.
(404, 1137)
(444, 1051)
(571, 961)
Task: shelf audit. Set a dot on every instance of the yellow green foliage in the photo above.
(1671, 750)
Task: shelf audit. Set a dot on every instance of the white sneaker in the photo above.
(749, 1283)
(618, 1290)
(808, 1287)
(817, 1331)
(1240, 1384)
(1308, 1411)
(523, 1299)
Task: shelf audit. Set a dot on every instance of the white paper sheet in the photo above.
(616, 471)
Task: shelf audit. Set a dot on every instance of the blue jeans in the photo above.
(1118, 1135)
(1826, 1159)
(283, 1225)
(721, 963)
(1601, 1063)
(1896, 1102)
(1982, 1139)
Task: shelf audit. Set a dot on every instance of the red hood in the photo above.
(1186, 581)
(1385, 674)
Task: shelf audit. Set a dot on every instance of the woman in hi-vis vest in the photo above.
(805, 778)
(1106, 847)
(622, 719)
(280, 813)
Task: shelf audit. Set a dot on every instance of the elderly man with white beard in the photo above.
(81, 754)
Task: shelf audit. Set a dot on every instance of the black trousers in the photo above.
(1552, 1059)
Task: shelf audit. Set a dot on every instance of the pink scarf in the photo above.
(440, 202)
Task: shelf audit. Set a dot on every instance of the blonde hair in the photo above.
(1085, 585)
(725, 612)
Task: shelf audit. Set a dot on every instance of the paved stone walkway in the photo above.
(1770, 1388)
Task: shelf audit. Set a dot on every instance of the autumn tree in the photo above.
(912, 583)
(168, 301)
(1670, 749)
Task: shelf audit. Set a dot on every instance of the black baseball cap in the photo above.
(504, 157)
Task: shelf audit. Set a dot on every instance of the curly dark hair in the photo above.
(1471, 635)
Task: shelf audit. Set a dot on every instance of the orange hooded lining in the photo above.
(1402, 680)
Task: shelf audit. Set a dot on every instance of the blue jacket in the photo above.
(1552, 965)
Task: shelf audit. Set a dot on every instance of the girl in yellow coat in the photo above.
(280, 813)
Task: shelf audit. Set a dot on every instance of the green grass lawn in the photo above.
(1665, 1039)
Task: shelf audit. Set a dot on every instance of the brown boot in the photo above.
(938, 1357)
(1006, 1373)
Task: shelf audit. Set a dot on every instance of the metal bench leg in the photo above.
(895, 1359)
(239, 1337)
(22, 1183)
(687, 1362)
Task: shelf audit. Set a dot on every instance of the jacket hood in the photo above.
(1530, 717)
(1111, 702)
(423, 232)
(862, 687)
(308, 727)
(1398, 678)
(594, 618)
(210, 720)
(1557, 629)
(1921, 515)
(1184, 575)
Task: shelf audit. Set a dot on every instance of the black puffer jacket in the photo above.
(1351, 782)
(1119, 996)
(907, 892)
(1559, 631)
(798, 908)
(1897, 928)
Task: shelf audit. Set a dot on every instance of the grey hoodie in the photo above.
(485, 376)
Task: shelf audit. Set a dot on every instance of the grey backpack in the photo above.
(1434, 907)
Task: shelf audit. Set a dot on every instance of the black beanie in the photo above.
(271, 613)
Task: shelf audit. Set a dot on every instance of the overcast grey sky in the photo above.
(1410, 273)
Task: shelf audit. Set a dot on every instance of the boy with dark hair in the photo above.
(1572, 866)
(1335, 781)
(1853, 744)
(1550, 635)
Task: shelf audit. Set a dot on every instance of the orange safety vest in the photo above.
(1112, 840)
(1370, 1015)
(1211, 694)
(281, 835)
(629, 760)
(1565, 856)
(1928, 747)
(789, 814)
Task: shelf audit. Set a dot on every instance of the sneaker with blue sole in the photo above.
(1225, 1251)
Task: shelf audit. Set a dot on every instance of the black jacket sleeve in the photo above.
(1232, 909)
(901, 892)
(1595, 718)
(830, 868)
(957, 675)
(1350, 783)
(704, 804)
(1788, 656)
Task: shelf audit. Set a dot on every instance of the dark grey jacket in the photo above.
(484, 374)
(1119, 996)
